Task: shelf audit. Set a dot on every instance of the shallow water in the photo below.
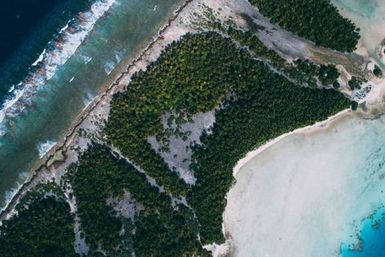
(369, 16)
(308, 194)
(372, 233)
(117, 36)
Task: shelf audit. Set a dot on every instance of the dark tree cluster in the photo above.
(161, 229)
(302, 71)
(42, 228)
(316, 20)
(355, 83)
(197, 74)
(377, 71)
(306, 72)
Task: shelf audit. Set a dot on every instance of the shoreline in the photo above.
(227, 248)
(298, 187)
(62, 146)
(314, 128)
(46, 168)
(43, 68)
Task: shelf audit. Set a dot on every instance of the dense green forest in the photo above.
(316, 20)
(249, 39)
(42, 228)
(307, 73)
(192, 76)
(196, 75)
(161, 229)
(260, 113)
(302, 71)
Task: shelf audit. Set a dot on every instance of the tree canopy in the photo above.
(316, 20)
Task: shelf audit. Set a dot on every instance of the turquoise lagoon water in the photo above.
(364, 8)
(369, 15)
(42, 116)
(313, 194)
(372, 238)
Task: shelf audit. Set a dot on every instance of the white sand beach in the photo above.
(307, 194)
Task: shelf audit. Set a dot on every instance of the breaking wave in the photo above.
(9, 195)
(44, 148)
(55, 55)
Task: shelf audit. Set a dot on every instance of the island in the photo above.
(191, 150)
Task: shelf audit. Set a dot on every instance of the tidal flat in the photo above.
(308, 194)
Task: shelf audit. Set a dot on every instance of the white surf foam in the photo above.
(43, 148)
(109, 67)
(69, 39)
(8, 195)
(86, 59)
(88, 99)
(39, 59)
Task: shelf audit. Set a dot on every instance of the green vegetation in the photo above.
(316, 20)
(355, 83)
(328, 74)
(200, 73)
(306, 72)
(377, 71)
(260, 112)
(354, 106)
(336, 85)
(161, 229)
(249, 39)
(42, 228)
(196, 75)
(185, 80)
(302, 71)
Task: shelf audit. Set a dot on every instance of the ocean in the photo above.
(28, 26)
(56, 63)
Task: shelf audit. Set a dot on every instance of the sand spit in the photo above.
(230, 246)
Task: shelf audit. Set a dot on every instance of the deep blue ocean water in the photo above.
(27, 27)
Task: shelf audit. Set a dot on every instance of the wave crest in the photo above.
(55, 55)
